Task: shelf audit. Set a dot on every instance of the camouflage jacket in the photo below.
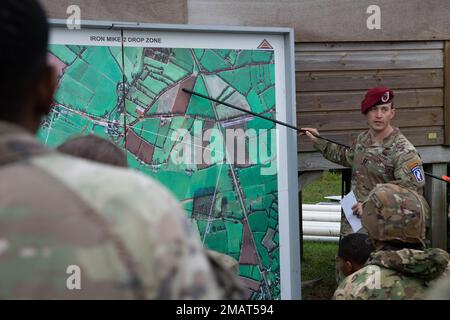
(75, 229)
(394, 275)
(395, 161)
(440, 289)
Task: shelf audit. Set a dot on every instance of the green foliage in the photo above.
(318, 262)
(329, 184)
(319, 257)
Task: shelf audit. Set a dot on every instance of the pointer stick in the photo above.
(443, 178)
(258, 115)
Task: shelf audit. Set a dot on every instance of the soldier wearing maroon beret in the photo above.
(377, 96)
(380, 154)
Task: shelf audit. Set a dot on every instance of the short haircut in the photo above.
(391, 101)
(24, 30)
(96, 149)
(356, 248)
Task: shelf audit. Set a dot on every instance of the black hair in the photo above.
(23, 52)
(379, 103)
(96, 149)
(356, 248)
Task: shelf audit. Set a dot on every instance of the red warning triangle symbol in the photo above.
(265, 45)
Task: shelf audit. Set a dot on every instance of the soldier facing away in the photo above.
(225, 267)
(381, 154)
(71, 228)
(399, 268)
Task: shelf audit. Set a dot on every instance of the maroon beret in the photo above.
(374, 96)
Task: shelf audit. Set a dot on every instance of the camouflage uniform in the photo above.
(226, 268)
(440, 289)
(393, 214)
(395, 160)
(124, 231)
(394, 275)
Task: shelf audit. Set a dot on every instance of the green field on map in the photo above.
(233, 205)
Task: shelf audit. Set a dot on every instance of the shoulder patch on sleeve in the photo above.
(418, 174)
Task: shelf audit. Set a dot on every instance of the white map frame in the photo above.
(224, 37)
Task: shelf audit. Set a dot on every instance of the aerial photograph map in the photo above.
(133, 97)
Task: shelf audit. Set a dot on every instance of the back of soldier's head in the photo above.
(355, 248)
(394, 214)
(24, 30)
(96, 149)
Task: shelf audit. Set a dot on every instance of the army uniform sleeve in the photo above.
(183, 268)
(335, 153)
(344, 290)
(408, 171)
(364, 284)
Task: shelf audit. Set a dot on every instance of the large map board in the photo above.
(228, 169)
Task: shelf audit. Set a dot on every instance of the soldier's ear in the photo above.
(45, 89)
(393, 114)
(347, 267)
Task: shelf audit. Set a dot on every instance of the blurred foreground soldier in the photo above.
(399, 268)
(71, 228)
(96, 149)
(381, 154)
(225, 267)
(354, 250)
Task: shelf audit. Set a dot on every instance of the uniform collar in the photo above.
(17, 144)
(386, 142)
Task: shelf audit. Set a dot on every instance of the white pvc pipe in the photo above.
(316, 228)
(336, 213)
(319, 238)
(322, 217)
(321, 207)
(321, 222)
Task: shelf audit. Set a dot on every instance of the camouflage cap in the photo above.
(393, 213)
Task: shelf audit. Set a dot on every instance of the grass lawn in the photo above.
(318, 263)
(329, 184)
(318, 257)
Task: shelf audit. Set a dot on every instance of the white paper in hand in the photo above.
(347, 203)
